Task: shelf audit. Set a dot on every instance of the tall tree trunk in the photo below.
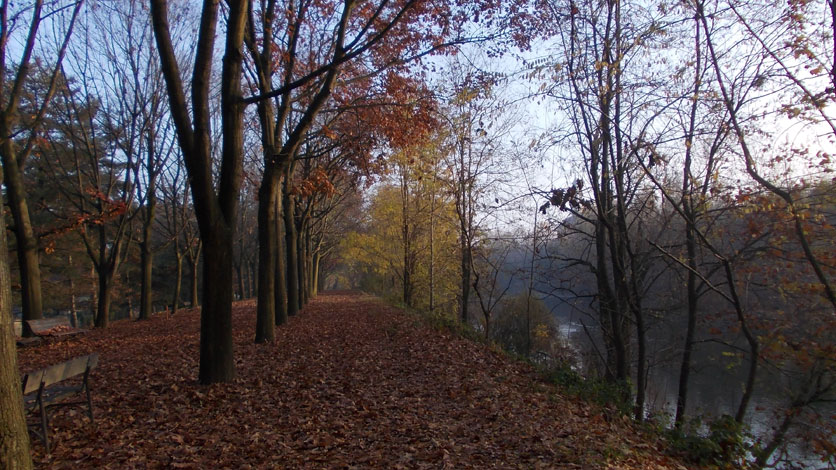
(641, 365)
(194, 261)
(685, 365)
(406, 237)
(432, 246)
(305, 242)
(105, 289)
(216, 351)
(266, 306)
(317, 257)
(129, 296)
(611, 318)
(466, 263)
(146, 297)
(300, 265)
(73, 305)
(14, 436)
(279, 279)
(309, 274)
(778, 437)
(94, 290)
(239, 271)
(252, 275)
(290, 242)
(242, 270)
(178, 282)
(147, 263)
(27, 242)
(690, 236)
(216, 210)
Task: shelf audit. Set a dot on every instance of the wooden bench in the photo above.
(55, 327)
(41, 390)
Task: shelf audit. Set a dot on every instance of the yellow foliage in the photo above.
(409, 219)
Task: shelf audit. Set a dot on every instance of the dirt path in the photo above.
(349, 383)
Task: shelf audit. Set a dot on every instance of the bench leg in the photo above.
(44, 424)
(89, 404)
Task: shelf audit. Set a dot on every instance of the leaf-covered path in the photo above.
(349, 383)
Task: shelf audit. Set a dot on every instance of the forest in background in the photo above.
(606, 188)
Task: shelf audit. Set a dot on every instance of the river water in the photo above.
(715, 389)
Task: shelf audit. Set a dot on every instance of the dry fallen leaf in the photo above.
(348, 383)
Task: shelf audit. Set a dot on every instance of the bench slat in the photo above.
(44, 324)
(58, 372)
(32, 381)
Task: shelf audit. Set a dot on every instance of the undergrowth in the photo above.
(594, 390)
(718, 444)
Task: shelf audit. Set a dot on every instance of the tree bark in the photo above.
(279, 279)
(317, 257)
(194, 261)
(105, 295)
(252, 275)
(309, 289)
(216, 350)
(300, 265)
(147, 262)
(178, 282)
(239, 271)
(14, 436)
(73, 306)
(266, 306)
(146, 298)
(685, 366)
(406, 236)
(290, 248)
(27, 243)
(611, 318)
(466, 263)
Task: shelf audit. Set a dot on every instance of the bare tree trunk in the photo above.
(281, 269)
(252, 275)
(239, 271)
(641, 364)
(216, 358)
(762, 457)
(292, 260)
(105, 290)
(147, 261)
(315, 273)
(309, 275)
(27, 243)
(685, 366)
(94, 290)
(216, 210)
(73, 306)
(194, 261)
(178, 282)
(146, 298)
(14, 436)
(406, 239)
(300, 265)
(466, 263)
(266, 305)
(611, 320)
(432, 244)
